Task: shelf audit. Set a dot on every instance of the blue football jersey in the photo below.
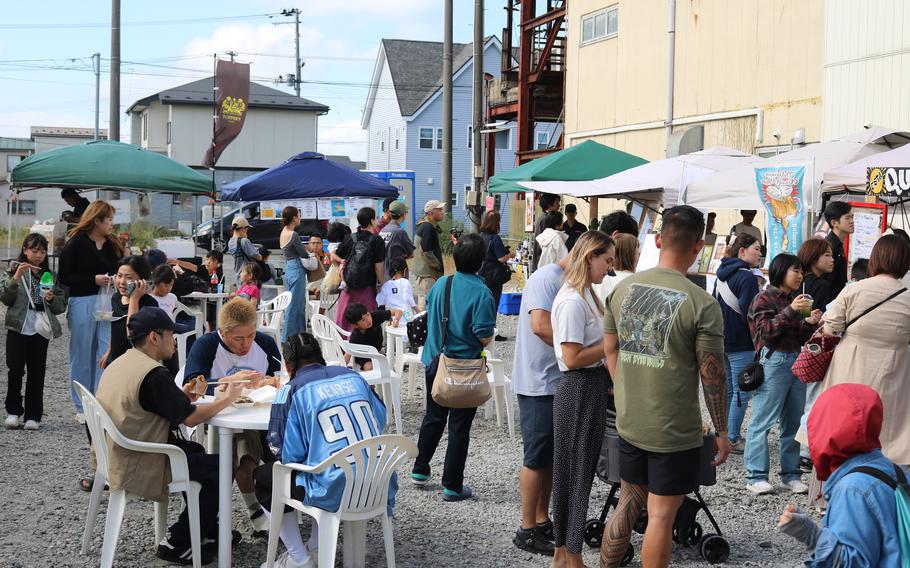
(321, 411)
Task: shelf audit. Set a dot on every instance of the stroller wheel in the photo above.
(629, 556)
(594, 533)
(715, 549)
(691, 536)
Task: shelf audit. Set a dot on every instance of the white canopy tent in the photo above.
(735, 188)
(662, 180)
(852, 177)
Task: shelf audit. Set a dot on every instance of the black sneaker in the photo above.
(182, 555)
(465, 493)
(546, 530)
(532, 540)
(805, 465)
(211, 544)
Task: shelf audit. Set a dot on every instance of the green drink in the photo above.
(806, 312)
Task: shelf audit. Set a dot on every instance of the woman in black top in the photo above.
(818, 261)
(494, 268)
(87, 265)
(363, 255)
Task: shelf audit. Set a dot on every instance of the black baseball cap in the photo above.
(149, 319)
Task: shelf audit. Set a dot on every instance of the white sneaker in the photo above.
(796, 486)
(80, 418)
(31, 425)
(284, 560)
(760, 487)
(12, 421)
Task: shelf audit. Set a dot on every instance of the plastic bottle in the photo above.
(214, 283)
(47, 282)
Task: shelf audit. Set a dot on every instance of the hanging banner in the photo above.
(529, 212)
(231, 101)
(782, 192)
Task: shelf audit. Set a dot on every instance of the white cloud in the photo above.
(342, 138)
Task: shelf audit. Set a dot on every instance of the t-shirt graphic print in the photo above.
(644, 330)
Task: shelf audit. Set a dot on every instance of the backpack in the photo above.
(265, 270)
(902, 504)
(359, 268)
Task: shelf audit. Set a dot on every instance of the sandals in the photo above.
(88, 483)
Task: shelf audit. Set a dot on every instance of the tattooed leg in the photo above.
(618, 532)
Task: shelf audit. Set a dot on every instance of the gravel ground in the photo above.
(45, 511)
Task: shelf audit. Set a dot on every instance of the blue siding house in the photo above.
(403, 118)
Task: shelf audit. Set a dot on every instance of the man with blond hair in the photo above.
(237, 346)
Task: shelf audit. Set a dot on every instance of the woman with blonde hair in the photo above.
(584, 395)
(623, 265)
(87, 264)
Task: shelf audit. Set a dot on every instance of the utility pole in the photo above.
(296, 13)
(96, 66)
(447, 106)
(232, 55)
(476, 143)
(113, 132)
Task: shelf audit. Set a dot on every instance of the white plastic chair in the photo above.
(101, 428)
(329, 336)
(404, 358)
(368, 466)
(501, 386)
(271, 315)
(313, 306)
(183, 337)
(381, 376)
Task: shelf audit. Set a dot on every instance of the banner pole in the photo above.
(214, 117)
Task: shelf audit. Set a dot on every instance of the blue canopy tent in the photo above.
(306, 176)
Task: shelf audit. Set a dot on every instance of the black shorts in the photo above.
(536, 417)
(675, 473)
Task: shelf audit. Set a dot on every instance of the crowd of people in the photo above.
(601, 351)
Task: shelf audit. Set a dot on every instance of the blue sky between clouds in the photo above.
(46, 74)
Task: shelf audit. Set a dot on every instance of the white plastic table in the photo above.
(227, 423)
(217, 297)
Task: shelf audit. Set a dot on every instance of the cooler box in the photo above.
(510, 303)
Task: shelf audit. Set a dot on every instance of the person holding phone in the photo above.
(780, 326)
(27, 299)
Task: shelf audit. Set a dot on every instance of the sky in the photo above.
(47, 79)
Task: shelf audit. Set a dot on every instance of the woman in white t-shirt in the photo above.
(584, 395)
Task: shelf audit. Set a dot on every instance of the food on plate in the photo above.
(244, 400)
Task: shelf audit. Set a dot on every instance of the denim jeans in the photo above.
(89, 339)
(737, 401)
(812, 392)
(780, 397)
(295, 314)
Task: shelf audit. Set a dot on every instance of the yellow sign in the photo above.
(232, 109)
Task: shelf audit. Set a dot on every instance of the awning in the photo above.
(586, 161)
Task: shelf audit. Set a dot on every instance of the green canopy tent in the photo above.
(583, 162)
(107, 164)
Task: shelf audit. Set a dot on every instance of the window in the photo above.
(382, 141)
(425, 141)
(439, 138)
(12, 161)
(504, 139)
(600, 25)
(145, 126)
(25, 207)
(397, 137)
(543, 140)
(169, 132)
(470, 137)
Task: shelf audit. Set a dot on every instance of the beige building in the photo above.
(749, 72)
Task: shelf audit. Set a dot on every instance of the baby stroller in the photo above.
(686, 530)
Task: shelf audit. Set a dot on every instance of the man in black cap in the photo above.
(145, 404)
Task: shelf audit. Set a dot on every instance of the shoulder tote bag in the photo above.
(815, 356)
(459, 383)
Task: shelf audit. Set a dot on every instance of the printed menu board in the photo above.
(869, 221)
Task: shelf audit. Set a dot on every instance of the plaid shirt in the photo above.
(775, 324)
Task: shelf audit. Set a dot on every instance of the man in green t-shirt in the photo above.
(661, 332)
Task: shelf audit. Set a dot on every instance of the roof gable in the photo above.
(200, 92)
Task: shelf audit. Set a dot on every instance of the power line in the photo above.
(42, 26)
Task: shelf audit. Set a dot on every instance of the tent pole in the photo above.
(9, 225)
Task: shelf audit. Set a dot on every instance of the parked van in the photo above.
(263, 232)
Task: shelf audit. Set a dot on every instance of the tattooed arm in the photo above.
(714, 384)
